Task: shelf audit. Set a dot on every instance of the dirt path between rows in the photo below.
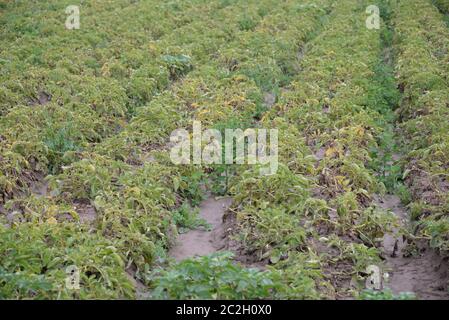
(203, 242)
(424, 274)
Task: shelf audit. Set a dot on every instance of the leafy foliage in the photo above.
(422, 74)
(217, 277)
(385, 295)
(92, 110)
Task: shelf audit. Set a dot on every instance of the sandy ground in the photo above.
(424, 274)
(203, 242)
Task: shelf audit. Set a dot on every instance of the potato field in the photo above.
(353, 93)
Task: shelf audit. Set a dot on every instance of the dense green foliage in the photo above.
(217, 277)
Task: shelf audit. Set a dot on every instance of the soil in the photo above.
(40, 187)
(269, 99)
(42, 99)
(203, 242)
(141, 290)
(425, 274)
(85, 210)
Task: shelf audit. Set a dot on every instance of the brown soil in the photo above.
(203, 242)
(83, 207)
(39, 187)
(140, 289)
(269, 99)
(42, 99)
(86, 211)
(425, 274)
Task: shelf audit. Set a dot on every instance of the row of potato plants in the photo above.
(422, 72)
(443, 5)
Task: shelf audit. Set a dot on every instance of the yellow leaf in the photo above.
(52, 221)
(52, 210)
(105, 72)
(330, 152)
(203, 112)
(240, 78)
(135, 190)
(342, 181)
(360, 131)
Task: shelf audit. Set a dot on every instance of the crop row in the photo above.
(443, 5)
(423, 77)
